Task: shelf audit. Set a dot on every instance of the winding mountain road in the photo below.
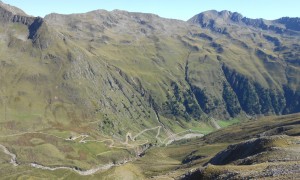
(83, 139)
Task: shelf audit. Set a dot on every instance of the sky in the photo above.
(175, 9)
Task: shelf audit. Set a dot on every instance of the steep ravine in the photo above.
(255, 99)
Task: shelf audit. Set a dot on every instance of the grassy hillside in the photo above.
(84, 93)
(89, 68)
(272, 152)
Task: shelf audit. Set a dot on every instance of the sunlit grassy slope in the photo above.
(100, 88)
(188, 155)
(126, 71)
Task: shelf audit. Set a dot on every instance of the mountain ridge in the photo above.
(104, 87)
(212, 18)
(14, 10)
(92, 31)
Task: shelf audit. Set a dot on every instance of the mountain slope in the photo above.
(265, 62)
(116, 83)
(119, 67)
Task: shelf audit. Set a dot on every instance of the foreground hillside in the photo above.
(267, 148)
(275, 157)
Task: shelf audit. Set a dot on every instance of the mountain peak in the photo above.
(219, 21)
(12, 9)
(213, 15)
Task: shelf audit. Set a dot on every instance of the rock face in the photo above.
(12, 14)
(135, 70)
(290, 23)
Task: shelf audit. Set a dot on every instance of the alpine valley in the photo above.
(124, 95)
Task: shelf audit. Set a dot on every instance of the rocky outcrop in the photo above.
(39, 34)
(11, 14)
(290, 23)
(36, 25)
(240, 153)
(217, 22)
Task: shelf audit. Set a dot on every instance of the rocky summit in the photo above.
(116, 83)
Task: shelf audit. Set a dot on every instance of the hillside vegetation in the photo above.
(84, 93)
(133, 71)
